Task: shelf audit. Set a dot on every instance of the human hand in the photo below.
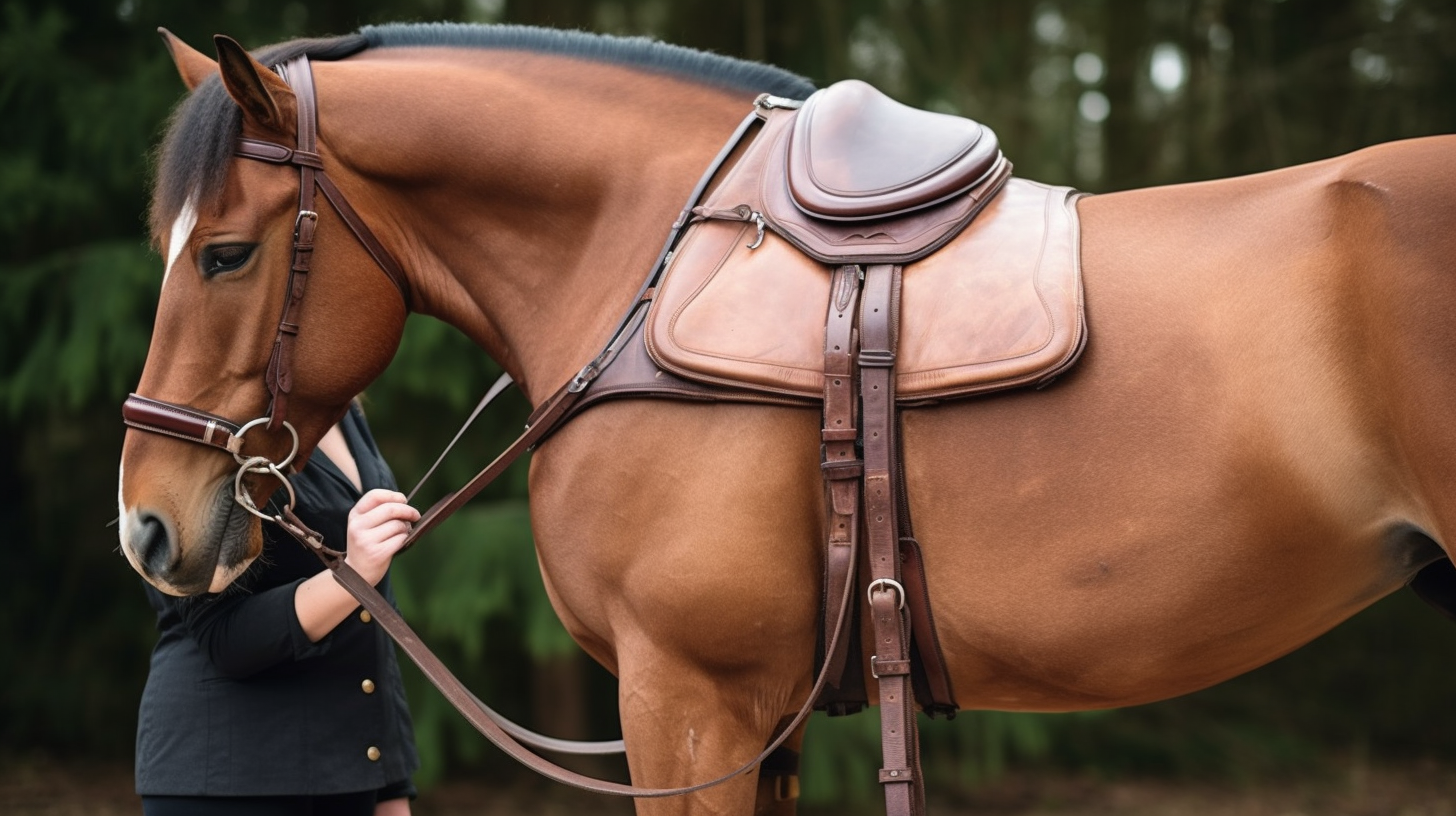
(378, 526)
(393, 807)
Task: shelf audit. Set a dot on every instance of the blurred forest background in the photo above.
(1099, 94)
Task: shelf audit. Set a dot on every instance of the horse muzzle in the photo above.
(192, 558)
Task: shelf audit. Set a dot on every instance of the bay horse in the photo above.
(1253, 447)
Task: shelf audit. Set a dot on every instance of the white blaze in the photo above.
(123, 518)
(181, 231)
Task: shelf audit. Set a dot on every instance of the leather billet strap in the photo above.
(890, 663)
(841, 466)
(181, 422)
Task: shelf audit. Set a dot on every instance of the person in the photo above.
(280, 696)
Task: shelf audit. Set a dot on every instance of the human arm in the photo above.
(379, 525)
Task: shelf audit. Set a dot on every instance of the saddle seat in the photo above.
(856, 154)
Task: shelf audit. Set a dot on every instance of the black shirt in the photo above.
(238, 702)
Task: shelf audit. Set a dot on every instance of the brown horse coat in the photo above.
(1252, 449)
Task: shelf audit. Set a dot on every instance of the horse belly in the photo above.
(1201, 494)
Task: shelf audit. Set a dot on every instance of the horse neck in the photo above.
(526, 194)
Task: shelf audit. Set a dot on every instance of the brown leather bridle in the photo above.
(193, 425)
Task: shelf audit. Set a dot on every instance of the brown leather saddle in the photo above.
(863, 256)
(992, 295)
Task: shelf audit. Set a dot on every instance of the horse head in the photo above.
(238, 236)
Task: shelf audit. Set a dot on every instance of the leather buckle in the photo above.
(886, 583)
(851, 469)
(888, 668)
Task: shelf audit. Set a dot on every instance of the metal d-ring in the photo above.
(890, 583)
(258, 469)
(756, 218)
(260, 464)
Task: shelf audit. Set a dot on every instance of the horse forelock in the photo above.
(192, 161)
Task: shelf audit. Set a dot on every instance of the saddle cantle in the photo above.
(992, 294)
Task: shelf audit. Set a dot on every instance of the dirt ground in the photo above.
(1426, 790)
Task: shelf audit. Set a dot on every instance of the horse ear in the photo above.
(193, 65)
(256, 89)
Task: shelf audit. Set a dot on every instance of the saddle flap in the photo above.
(856, 154)
(999, 306)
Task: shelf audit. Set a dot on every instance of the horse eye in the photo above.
(223, 258)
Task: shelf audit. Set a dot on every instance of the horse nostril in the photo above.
(151, 544)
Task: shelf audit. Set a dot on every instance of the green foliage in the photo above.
(80, 318)
(841, 753)
(482, 565)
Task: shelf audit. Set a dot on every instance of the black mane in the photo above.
(195, 152)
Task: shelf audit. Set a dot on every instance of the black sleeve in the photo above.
(243, 633)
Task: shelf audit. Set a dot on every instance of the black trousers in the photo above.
(339, 804)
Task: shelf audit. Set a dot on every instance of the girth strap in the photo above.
(890, 663)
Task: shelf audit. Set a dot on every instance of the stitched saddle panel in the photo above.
(999, 306)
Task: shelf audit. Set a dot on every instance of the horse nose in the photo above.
(151, 543)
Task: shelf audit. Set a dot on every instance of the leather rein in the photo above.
(200, 427)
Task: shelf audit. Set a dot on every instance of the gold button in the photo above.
(368, 686)
(373, 754)
(365, 616)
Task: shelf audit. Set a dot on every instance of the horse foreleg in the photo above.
(684, 724)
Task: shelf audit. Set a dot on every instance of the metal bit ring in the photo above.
(260, 464)
(288, 426)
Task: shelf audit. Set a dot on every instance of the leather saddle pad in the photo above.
(990, 305)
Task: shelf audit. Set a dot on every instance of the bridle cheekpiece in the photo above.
(193, 425)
